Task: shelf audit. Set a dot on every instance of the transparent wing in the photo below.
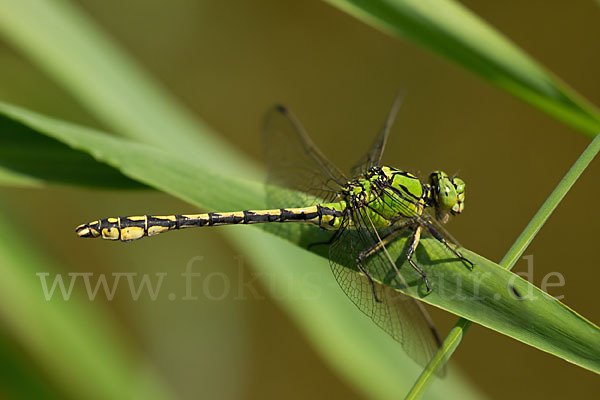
(401, 316)
(373, 157)
(296, 163)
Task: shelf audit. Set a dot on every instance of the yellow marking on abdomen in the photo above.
(132, 233)
(167, 217)
(110, 233)
(156, 229)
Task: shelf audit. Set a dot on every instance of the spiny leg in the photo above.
(363, 255)
(436, 234)
(379, 245)
(414, 242)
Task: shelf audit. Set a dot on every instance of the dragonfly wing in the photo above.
(373, 157)
(401, 316)
(294, 162)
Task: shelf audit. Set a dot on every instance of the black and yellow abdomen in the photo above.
(130, 228)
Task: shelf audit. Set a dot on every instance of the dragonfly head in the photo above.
(448, 195)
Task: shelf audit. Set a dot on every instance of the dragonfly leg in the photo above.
(379, 245)
(363, 255)
(436, 234)
(387, 239)
(414, 242)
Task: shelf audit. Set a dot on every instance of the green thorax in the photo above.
(384, 195)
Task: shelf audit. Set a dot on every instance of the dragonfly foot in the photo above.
(427, 285)
(465, 260)
(377, 300)
(421, 272)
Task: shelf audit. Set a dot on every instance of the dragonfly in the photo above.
(365, 214)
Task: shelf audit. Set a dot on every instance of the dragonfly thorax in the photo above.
(387, 194)
(394, 193)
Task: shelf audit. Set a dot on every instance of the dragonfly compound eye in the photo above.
(459, 186)
(445, 195)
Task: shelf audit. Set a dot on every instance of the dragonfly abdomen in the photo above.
(137, 227)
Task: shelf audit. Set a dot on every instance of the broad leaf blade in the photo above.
(28, 158)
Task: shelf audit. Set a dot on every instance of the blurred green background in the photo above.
(228, 62)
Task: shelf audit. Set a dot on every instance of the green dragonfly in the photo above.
(366, 214)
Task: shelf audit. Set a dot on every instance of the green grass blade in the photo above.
(508, 261)
(482, 295)
(447, 28)
(28, 158)
(441, 357)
